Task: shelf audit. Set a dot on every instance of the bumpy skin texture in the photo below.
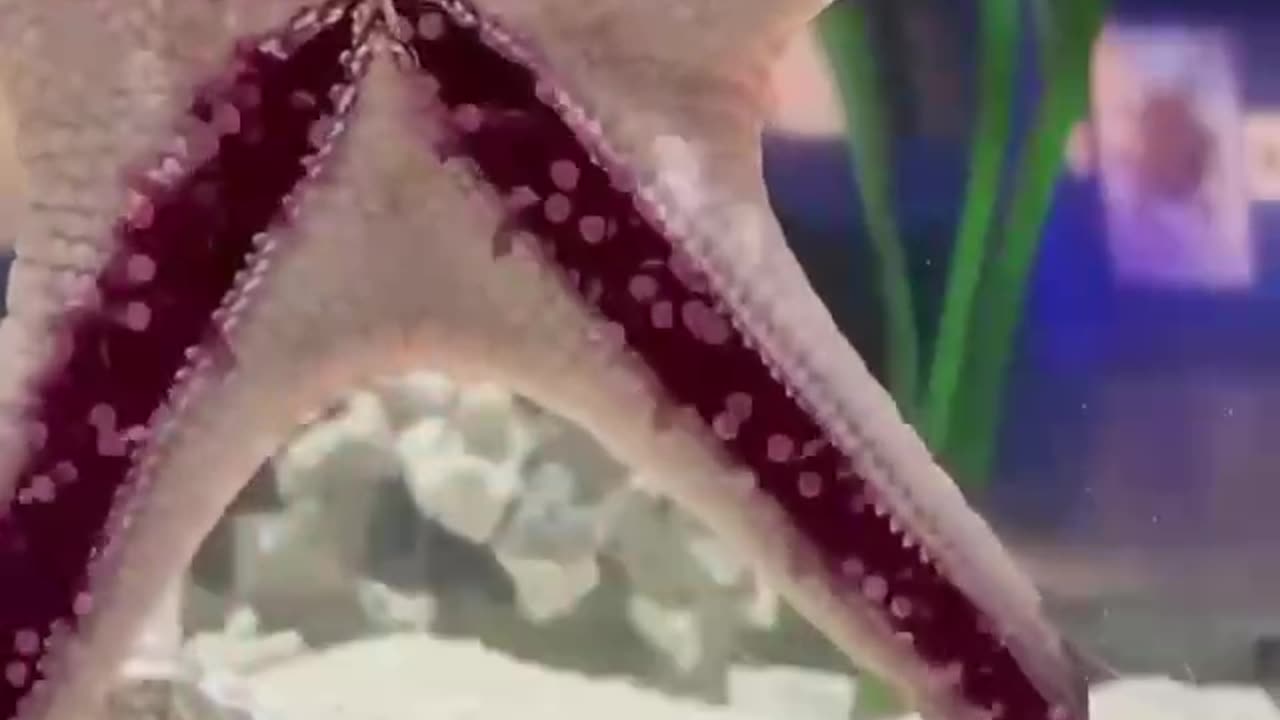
(382, 260)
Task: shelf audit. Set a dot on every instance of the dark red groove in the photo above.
(200, 236)
(626, 276)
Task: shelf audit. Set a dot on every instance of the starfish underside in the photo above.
(520, 229)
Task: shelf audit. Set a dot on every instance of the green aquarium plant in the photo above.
(998, 42)
(845, 33)
(1066, 31)
(997, 234)
(998, 231)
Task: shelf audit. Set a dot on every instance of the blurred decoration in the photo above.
(1009, 190)
(1262, 155)
(1166, 122)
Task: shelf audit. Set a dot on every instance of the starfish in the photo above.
(236, 210)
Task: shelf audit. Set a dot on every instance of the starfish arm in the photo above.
(118, 158)
(686, 116)
(88, 92)
(387, 265)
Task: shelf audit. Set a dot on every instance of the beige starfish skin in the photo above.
(388, 267)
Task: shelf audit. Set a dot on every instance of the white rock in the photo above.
(1157, 698)
(467, 495)
(722, 566)
(287, 555)
(242, 623)
(429, 437)
(792, 693)
(415, 396)
(336, 455)
(489, 421)
(547, 521)
(223, 653)
(673, 631)
(391, 610)
(545, 589)
(463, 470)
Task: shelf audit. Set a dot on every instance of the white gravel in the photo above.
(407, 677)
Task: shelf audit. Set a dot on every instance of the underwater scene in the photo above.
(687, 359)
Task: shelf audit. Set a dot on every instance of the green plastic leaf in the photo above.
(1067, 30)
(997, 60)
(844, 33)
